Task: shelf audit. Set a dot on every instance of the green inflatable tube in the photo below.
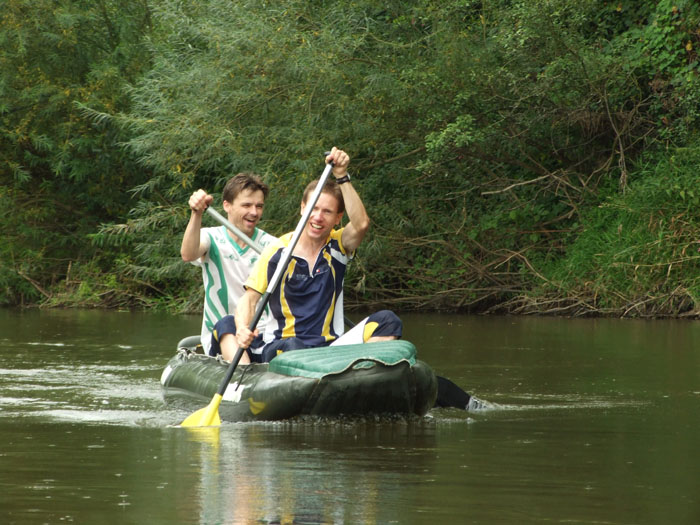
(365, 379)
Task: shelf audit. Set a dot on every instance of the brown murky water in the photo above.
(590, 421)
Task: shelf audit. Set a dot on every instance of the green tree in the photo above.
(61, 175)
(492, 142)
(267, 87)
(479, 131)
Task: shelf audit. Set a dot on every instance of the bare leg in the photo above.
(377, 338)
(229, 348)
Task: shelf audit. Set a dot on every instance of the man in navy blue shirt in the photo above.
(307, 305)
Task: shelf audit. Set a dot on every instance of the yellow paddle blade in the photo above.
(256, 406)
(205, 417)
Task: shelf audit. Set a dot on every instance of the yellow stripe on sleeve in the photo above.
(369, 330)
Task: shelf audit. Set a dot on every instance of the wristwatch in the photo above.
(343, 180)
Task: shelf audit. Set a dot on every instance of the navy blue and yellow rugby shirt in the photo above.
(308, 303)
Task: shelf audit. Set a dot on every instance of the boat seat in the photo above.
(319, 362)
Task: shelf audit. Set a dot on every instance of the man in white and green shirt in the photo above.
(225, 259)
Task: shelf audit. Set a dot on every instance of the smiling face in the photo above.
(324, 217)
(246, 210)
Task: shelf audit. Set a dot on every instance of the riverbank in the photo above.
(677, 304)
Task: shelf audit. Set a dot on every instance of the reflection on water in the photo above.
(585, 421)
(312, 472)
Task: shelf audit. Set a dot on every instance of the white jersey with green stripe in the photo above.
(225, 268)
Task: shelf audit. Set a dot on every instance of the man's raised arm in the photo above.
(358, 224)
(190, 248)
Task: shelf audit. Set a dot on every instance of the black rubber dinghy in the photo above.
(365, 379)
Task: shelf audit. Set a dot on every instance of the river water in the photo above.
(587, 421)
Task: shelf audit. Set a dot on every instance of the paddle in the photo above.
(209, 415)
(242, 236)
(238, 233)
(451, 395)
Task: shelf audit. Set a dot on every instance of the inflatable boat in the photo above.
(364, 379)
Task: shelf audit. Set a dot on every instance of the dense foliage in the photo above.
(61, 174)
(526, 156)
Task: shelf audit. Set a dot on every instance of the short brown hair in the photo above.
(331, 188)
(244, 181)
